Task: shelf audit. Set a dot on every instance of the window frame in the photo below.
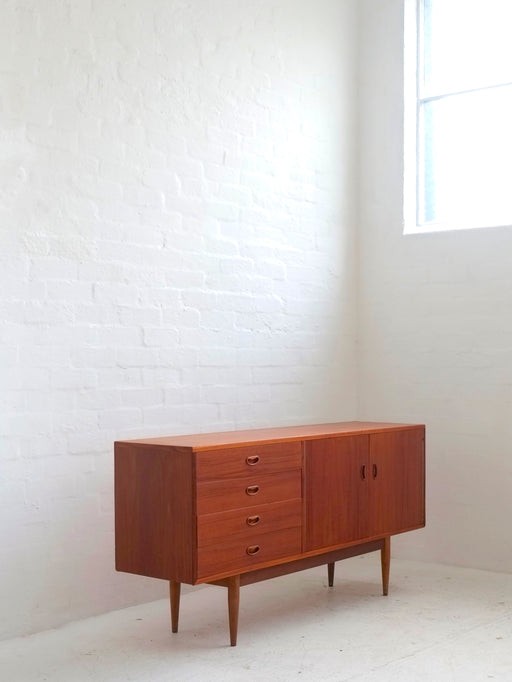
(414, 99)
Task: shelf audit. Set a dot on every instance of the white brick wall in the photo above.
(176, 254)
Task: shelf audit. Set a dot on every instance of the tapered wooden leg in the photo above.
(330, 573)
(233, 606)
(385, 559)
(174, 593)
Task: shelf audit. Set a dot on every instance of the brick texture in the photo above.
(177, 198)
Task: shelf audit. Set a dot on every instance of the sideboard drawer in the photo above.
(238, 493)
(246, 524)
(223, 557)
(249, 460)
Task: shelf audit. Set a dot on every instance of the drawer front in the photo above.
(246, 461)
(237, 556)
(238, 493)
(245, 525)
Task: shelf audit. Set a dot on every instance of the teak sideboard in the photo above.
(237, 507)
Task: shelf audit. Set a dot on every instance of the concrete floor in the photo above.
(438, 624)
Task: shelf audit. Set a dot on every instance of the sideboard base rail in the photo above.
(233, 583)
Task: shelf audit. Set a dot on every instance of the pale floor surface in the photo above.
(438, 624)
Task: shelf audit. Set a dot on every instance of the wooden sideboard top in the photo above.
(222, 439)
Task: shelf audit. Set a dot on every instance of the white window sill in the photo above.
(452, 227)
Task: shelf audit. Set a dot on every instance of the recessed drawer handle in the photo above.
(252, 520)
(252, 489)
(252, 550)
(252, 460)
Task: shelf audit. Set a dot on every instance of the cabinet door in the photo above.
(397, 481)
(336, 491)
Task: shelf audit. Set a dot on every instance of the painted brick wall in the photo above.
(177, 197)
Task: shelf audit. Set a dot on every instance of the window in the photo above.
(458, 121)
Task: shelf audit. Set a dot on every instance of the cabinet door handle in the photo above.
(252, 520)
(374, 471)
(363, 472)
(253, 549)
(252, 489)
(252, 460)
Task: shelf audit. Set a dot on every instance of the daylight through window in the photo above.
(463, 159)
